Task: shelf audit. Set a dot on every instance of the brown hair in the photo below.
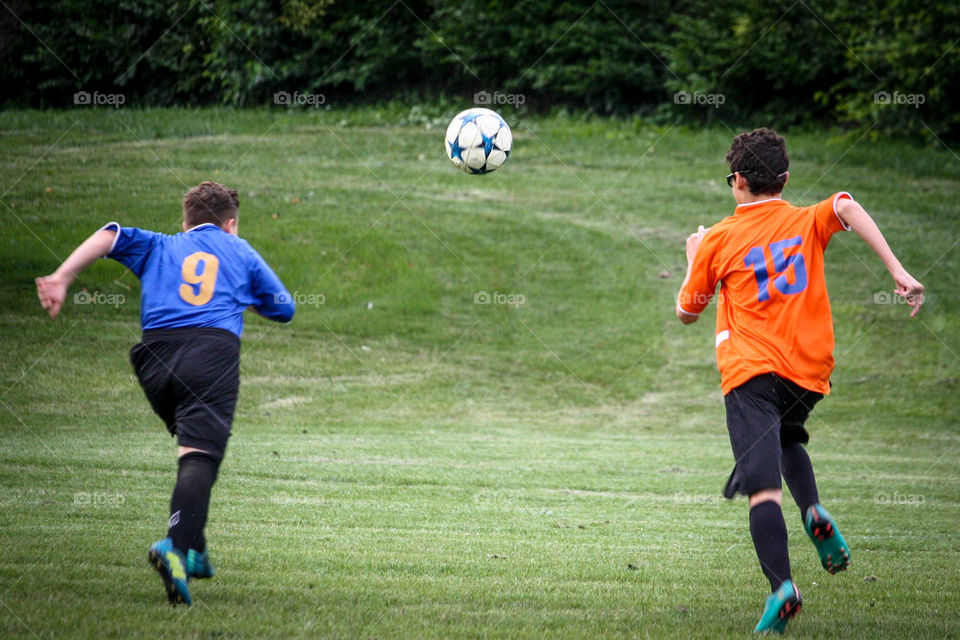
(761, 157)
(210, 202)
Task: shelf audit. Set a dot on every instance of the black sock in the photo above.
(769, 533)
(190, 501)
(798, 472)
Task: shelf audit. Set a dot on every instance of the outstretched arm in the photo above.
(857, 218)
(52, 289)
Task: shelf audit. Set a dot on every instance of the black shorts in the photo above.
(191, 377)
(764, 414)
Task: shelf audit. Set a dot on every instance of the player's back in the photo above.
(773, 313)
(204, 277)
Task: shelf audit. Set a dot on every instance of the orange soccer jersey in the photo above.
(773, 313)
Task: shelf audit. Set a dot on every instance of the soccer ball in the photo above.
(478, 141)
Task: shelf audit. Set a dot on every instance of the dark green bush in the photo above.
(600, 56)
(814, 61)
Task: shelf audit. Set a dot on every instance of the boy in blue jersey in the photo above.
(195, 287)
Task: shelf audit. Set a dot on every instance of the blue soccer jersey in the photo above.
(204, 277)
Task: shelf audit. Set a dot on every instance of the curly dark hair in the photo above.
(761, 157)
(210, 202)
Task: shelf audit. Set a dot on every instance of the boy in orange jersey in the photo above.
(774, 345)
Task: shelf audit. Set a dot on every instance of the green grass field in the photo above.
(409, 464)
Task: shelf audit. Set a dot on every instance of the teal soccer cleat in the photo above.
(780, 607)
(198, 564)
(822, 529)
(172, 567)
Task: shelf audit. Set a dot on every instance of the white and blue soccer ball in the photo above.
(478, 141)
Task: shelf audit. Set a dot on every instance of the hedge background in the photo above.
(784, 63)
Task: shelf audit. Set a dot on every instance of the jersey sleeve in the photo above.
(273, 299)
(828, 220)
(131, 246)
(697, 292)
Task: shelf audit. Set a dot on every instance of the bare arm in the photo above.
(52, 289)
(857, 218)
(686, 318)
(693, 244)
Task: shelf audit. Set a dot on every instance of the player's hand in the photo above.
(693, 242)
(910, 289)
(52, 292)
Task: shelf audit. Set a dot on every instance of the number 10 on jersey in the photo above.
(782, 263)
